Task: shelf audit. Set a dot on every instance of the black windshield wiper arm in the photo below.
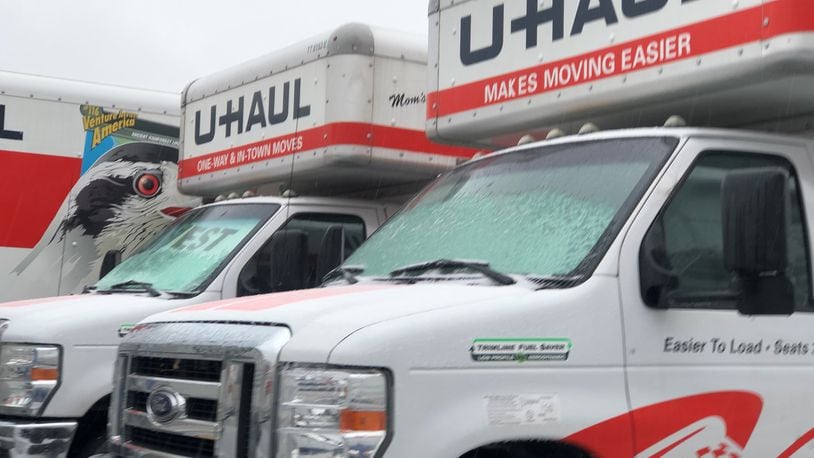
(137, 284)
(183, 294)
(480, 267)
(348, 273)
(555, 281)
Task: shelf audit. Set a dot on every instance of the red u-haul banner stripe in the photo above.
(34, 187)
(345, 133)
(736, 29)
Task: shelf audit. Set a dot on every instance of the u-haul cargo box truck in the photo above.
(87, 169)
(640, 292)
(339, 115)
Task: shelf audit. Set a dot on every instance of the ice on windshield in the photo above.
(535, 212)
(183, 257)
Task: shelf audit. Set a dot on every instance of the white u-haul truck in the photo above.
(641, 292)
(88, 171)
(337, 114)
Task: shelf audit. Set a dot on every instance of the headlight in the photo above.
(28, 376)
(324, 411)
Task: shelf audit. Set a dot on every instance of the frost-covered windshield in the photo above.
(189, 252)
(547, 211)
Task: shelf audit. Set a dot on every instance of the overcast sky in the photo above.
(163, 44)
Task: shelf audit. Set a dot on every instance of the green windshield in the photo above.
(189, 252)
(547, 211)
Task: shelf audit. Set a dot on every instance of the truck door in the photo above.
(705, 380)
(305, 248)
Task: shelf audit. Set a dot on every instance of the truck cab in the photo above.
(248, 246)
(519, 307)
(227, 249)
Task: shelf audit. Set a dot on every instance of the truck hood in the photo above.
(325, 316)
(84, 319)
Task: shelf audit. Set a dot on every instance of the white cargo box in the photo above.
(345, 110)
(500, 70)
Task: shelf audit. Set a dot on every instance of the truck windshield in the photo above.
(542, 212)
(186, 255)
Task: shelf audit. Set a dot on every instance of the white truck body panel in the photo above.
(343, 111)
(57, 147)
(614, 67)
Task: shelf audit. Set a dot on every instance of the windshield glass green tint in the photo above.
(186, 254)
(544, 211)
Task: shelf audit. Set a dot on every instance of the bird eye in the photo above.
(147, 184)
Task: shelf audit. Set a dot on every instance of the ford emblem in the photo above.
(165, 405)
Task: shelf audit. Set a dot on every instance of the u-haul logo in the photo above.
(554, 18)
(8, 134)
(242, 116)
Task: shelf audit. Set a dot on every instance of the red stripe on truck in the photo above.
(268, 301)
(343, 133)
(634, 432)
(34, 187)
(61, 300)
(804, 440)
(736, 29)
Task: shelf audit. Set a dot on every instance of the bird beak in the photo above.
(174, 212)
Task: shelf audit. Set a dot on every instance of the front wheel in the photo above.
(97, 445)
(528, 450)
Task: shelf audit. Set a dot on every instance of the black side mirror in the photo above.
(755, 205)
(112, 259)
(288, 250)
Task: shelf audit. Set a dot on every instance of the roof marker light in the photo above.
(555, 133)
(675, 121)
(588, 128)
(526, 139)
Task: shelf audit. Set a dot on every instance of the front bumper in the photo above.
(29, 439)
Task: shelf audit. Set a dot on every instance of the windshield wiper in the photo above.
(148, 287)
(478, 266)
(555, 281)
(182, 294)
(348, 273)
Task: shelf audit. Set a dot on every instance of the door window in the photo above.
(685, 244)
(301, 252)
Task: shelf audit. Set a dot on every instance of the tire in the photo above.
(97, 445)
(528, 450)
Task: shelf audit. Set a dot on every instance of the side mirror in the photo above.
(288, 250)
(755, 205)
(112, 259)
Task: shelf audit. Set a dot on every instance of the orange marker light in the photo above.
(360, 420)
(44, 374)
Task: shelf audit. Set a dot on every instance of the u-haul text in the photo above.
(590, 67)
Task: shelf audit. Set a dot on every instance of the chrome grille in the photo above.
(188, 369)
(184, 394)
(188, 434)
(170, 443)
